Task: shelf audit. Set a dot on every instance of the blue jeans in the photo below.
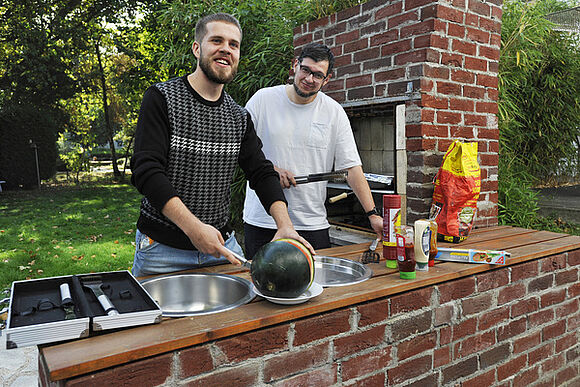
(152, 257)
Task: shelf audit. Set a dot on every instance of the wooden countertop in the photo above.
(91, 354)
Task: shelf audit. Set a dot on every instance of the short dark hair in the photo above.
(317, 52)
(201, 25)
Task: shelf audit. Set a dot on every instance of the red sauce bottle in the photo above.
(406, 262)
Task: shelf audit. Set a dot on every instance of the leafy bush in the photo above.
(539, 106)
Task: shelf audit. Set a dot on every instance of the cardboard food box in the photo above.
(71, 307)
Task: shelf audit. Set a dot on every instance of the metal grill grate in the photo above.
(566, 20)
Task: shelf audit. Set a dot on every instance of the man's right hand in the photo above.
(286, 178)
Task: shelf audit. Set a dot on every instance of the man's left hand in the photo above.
(292, 234)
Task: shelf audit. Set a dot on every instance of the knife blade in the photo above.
(66, 302)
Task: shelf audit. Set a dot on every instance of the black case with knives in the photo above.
(70, 307)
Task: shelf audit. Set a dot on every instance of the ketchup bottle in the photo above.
(406, 262)
(391, 220)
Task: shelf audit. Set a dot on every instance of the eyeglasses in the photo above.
(305, 70)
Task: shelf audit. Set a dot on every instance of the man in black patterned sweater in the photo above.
(190, 137)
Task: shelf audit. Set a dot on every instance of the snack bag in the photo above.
(457, 186)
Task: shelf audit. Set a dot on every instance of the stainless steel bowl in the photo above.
(196, 294)
(333, 271)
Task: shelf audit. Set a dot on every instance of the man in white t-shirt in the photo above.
(304, 131)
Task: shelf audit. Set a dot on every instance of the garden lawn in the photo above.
(63, 231)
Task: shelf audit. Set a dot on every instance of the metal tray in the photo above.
(196, 294)
(333, 271)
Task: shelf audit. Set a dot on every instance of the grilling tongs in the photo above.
(336, 176)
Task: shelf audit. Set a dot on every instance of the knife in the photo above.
(243, 260)
(66, 302)
(336, 176)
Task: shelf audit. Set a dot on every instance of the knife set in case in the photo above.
(71, 307)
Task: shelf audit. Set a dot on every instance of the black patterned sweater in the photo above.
(188, 147)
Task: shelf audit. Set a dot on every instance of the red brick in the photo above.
(335, 29)
(366, 364)
(552, 298)
(292, 362)
(475, 64)
(361, 93)
(448, 88)
(553, 263)
(411, 57)
(554, 330)
(476, 304)
(471, 20)
(451, 59)
(476, 120)
(428, 100)
(322, 326)
(524, 271)
(427, 85)
(464, 47)
(513, 328)
(465, 77)
(427, 115)
(489, 134)
(554, 363)
(368, 54)
(130, 374)
(476, 343)
(325, 376)
(410, 369)
(348, 13)
(373, 312)
(473, 92)
(543, 352)
(567, 309)
(302, 40)
(389, 75)
(486, 379)
(445, 335)
(496, 12)
(359, 341)
(194, 361)
(540, 318)
(389, 10)
(396, 47)
(566, 342)
(574, 258)
(407, 326)
(255, 344)
(460, 369)
(362, 80)
(412, 300)
(443, 315)
(333, 85)
(371, 381)
(512, 367)
(478, 35)
(493, 318)
(415, 29)
(401, 18)
(421, 144)
(357, 45)
(416, 345)
(489, 52)
(527, 377)
(456, 290)
(465, 105)
(450, 14)
(566, 374)
(464, 328)
(479, 7)
(445, 117)
(574, 290)
(490, 25)
(523, 344)
(457, 30)
(495, 40)
(410, 4)
(495, 355)
(511, 293)
(441, 356)
(441, 42)
(339, 96)
(566, 277)
(347, 37)
(385, 37)
(486, 107)
(487, 81)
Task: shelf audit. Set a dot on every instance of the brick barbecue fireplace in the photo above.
(413, 76)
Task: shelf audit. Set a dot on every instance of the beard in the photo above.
(304, 94)
(213, 75)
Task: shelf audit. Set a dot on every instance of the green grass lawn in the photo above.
(67, 230)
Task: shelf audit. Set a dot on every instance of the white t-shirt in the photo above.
(302, 139)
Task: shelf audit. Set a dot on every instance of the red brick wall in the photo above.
(514, 326)
(447, 52)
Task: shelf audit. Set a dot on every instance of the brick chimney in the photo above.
(437, 58)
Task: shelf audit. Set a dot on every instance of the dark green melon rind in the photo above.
(306, 253)
(279, 269)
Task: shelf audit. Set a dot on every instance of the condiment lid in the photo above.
(391, 201)
(408, 274)
(391, 264)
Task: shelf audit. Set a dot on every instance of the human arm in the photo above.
(357, 181)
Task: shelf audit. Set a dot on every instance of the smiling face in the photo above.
(218, 53)
(307, 78)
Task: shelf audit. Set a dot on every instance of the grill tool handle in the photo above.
(336, 175)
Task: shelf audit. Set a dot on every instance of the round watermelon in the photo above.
(283, 268)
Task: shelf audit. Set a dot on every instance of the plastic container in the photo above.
(406, 261)
(391, 220)
(422, 243)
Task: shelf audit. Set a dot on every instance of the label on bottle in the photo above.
(392, 219)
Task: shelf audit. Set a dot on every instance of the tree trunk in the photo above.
(110, 133)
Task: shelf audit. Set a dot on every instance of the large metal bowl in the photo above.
(196, 294)
(334, 271)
